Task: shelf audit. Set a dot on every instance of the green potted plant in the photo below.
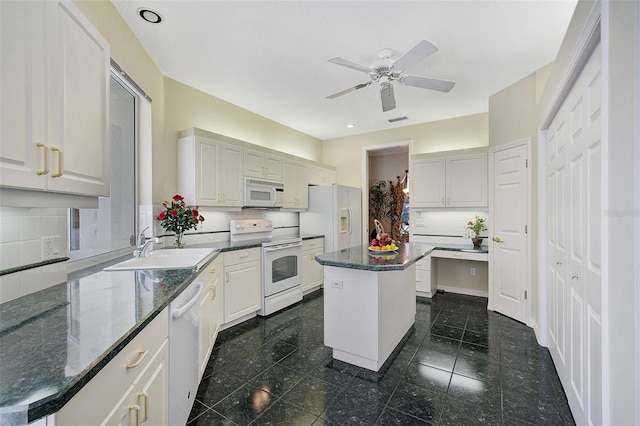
(380, 201)
(477, 227)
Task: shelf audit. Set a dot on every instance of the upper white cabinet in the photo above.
(261, 165)
(209, 172)
(296, 185)
(451, 181)
(321, 176)
(54, 94)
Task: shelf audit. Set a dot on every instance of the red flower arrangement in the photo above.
(177, 217)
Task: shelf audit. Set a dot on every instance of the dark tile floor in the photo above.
(459, 365)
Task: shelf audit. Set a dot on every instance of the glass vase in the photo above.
(179, 242)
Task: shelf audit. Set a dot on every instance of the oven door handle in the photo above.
(184, 308)
(286, 246)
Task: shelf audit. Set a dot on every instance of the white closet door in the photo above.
(574, 217)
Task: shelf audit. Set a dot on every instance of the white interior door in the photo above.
(574, 247)
(510, 217)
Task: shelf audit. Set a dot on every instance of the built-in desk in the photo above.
(460, 269)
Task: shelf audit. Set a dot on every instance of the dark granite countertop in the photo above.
(54, 341)
(360, 257)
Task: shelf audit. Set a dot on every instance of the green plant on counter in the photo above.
(478, 226)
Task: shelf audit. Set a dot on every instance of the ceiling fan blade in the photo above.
(388, 99)
(349, 90)
(349, 64)
(427, 83)
(419, 52)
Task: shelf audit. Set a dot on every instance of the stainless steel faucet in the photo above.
(144, 243)
(150, 241)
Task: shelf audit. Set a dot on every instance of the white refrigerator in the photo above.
(335, 211)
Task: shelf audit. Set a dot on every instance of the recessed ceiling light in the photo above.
(350, 126)
(150, 16)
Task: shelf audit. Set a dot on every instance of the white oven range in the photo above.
(281, 278)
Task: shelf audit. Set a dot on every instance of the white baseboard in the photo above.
(467, 291)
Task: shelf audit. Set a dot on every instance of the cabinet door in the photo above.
(147, 400)
(241, 290)
(253, 163)
(78, 63)
(427, 183)
(307, 270)
(210, 311)
(321, 176)
(317, 269)
(273, 168)
(206, 173)
(22, 67)
(296, 183)
(231, 175)
(466, 181)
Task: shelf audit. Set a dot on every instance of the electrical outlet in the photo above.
(473, 271)
(50, 247)
(336, 284)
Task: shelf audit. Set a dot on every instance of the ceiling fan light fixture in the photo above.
(150, 15)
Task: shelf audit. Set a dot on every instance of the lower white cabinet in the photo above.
(211, 311)
(132, 388)
(423, 277)
(241, 283)
(312, 272)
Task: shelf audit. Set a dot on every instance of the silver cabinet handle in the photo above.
(498, 240)
(575, 276)
(558, 263)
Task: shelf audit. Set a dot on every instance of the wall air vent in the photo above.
(393, 120)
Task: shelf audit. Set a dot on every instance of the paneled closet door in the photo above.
(574, 218)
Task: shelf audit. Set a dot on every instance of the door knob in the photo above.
(498, 239)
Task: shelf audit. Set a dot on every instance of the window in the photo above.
(112, 226)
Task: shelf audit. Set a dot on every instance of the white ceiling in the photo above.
(270, 57)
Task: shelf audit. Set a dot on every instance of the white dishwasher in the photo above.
(184, 321)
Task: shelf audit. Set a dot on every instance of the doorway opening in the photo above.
(386, 173)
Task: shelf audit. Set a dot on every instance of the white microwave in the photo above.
(263, 193)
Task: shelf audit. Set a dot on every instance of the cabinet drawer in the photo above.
(241, 256)
(462, 255)
(424, 264)
(114, 379)
(313, 244)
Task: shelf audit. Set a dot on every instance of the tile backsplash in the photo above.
(22, 230)
(21, 233)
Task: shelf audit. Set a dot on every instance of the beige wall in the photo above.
(186, 107)
(456, 133)
(176, 107)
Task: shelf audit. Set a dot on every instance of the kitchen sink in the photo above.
(167, 259)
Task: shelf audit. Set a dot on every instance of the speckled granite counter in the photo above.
(360, 257)
(54, 341)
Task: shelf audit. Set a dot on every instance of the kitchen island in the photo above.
(369, 301)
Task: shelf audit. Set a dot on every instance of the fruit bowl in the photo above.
(382, 244)
(374, 252)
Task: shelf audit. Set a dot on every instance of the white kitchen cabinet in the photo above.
(241, 283)
(211, 311)
(137, 376)
(321, 176)
(209, 172)
(262, 165)
(451, 181)
(312, 271)
(296, 185)
(54, 91)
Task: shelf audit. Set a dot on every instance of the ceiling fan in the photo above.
(386, 70)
